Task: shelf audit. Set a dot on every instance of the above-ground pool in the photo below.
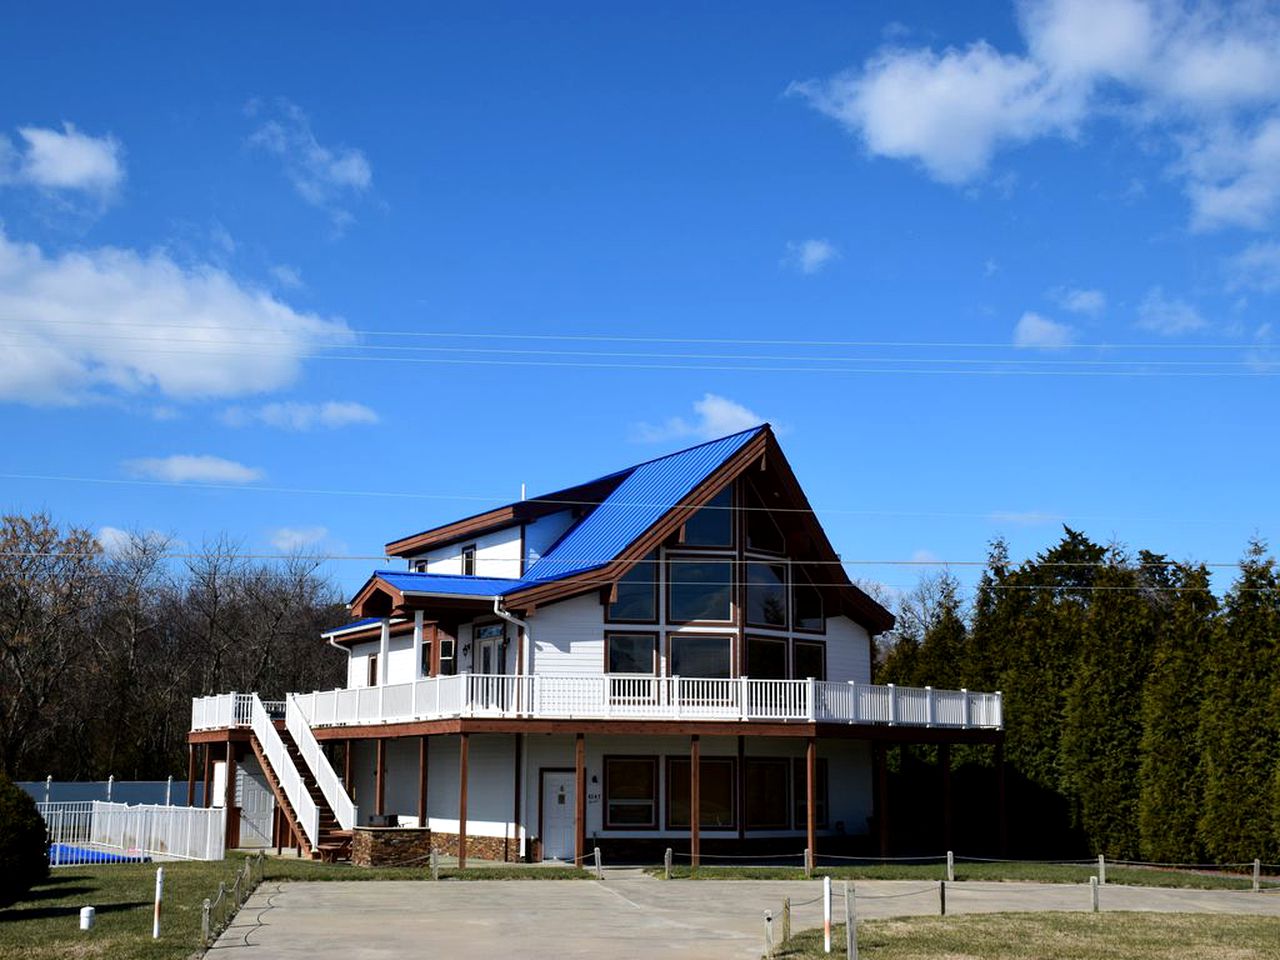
(63, 854)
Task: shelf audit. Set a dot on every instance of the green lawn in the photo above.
(46, 925)
(1029, 872)
(1061, 936)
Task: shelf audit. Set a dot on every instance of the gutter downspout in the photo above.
(523, 669)
(347, 650)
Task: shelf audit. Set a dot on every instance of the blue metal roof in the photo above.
(353, 625)
(448, 585)
(640, 501)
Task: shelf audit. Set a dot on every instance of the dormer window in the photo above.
(469, 561)
(419, 566)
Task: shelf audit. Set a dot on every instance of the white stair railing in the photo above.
(304, 807)
(326, 777)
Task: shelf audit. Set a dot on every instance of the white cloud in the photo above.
(1077, 300)
(287, 276)
(302, 416)
(715, 416)
(63, 160)
(1168, 316)
(810, 256)
(1256, 267)
(191, 468)
(1034, 331)
(328, 177)
(82, 324)
(1205, 75)
(289, 539)
(113, 539)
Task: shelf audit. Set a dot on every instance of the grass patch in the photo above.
(1062, 936)
(46, 925)
(989, 872)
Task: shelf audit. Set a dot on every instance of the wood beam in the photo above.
(580, 798)
(811, 797)
(208, 801)
(380, 777)
(882, 794)
(516, 784)
(742, 787)
(944, 760)
(464, 749)
(695, 800)
(423, 767)
(1001, 809)
(346, 766)
(229, 801)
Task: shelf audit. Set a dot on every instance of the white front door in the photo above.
(257, 805)
(557, 815)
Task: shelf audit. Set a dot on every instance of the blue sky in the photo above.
(234, 237)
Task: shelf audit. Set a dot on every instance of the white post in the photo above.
(168, 792)
(599, 867)
(48, 786)
(893, 704)
(853, 701)
(928, 706)
(850, 923)
(808, 863)
(111, 780)
(826, 914)
(675, 695)
(1257, 876)
(951, 866)
(811, 707)
(1093, 892)
(1102, 868)
(666, 864)
(417, 644)
(155, 923)
(965, 721)
(768, 932)
(384, 648)
(742, 692)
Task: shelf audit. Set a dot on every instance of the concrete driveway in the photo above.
(625, 917)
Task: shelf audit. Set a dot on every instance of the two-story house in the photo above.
(666, 656)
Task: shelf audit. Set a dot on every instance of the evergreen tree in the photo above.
(940, 661)
(1239, 729)
(1171, 774)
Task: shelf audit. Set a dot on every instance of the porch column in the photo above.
(1001, 811)
(208, 800)
(695, 799)
(380, 776)
(742, 787)
(423, 760)
(229, 801)
(417, 644)
(580, 798)
(435, 650)
(384, 648)
(944, 759)
(464, 747)
(811, 797)
(346, 766)
(191, 775)
(516, 783)
(882, 794)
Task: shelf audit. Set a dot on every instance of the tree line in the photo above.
(1142, 711)
(102, 651)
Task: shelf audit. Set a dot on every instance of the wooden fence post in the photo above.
(951, 867)
(666, 864)
(850, 923)
(1102, 868)
(1093, 891)
(1257, 875)
(942, 898)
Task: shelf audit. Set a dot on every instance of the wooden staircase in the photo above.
(334, 842)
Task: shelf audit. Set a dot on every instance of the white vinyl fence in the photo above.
(98, 832)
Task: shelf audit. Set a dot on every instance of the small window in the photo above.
(372, 679)
(810, 660)
(700, 590)
(630, 793)
(631, 653)
(807, 600)
(695, 655)
(712, 525)
(419, 566)
(767, 795)
(767, 594)
(717, 791)
(469, 561)
(801, 794)
(448, 655)
(637, 594)
(489, 631)
(766, 658)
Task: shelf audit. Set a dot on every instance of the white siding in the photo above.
(497, 555)
(358, 664)
(568, 637)
(848, 651)
(540, 535)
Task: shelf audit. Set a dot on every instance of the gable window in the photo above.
(800, 793)
(767, 594)
(766, 658)
(631, 653)
(806, 599)
(419, 566)
(696, 655)
(717, 789)
(810, 660)
(469, 561)
(712, 525)
(763, 533)
(630, 793)
(767, 793)
(700, 590)
(636, 599)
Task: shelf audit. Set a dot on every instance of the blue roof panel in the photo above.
(448, 585)
(640, 501)
(353, 625)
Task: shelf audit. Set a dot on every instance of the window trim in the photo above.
(671, 561)
(731, 636)
(657, 791)
(736, 802)
(787, 655)
(419, 565)
(371, 671)
(799, 642)
(785, 764)
(468, 554)
(656, 561)
(651, 634)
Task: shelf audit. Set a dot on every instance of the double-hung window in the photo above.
(630, 793)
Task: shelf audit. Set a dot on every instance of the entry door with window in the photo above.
(491, 692)
(558, 808)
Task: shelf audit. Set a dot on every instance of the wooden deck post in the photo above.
(742, 787)
(191, 775)
(1001, 809)
(464, 749)
(380, 777)
(229, 801)
(882, 793)
(516, 780)
(208, 773)
(423, 761)
(580, 798)
(811, 796)
(346, 765)
(944, 759)
(695, 800)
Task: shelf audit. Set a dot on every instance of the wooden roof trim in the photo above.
(374, 587)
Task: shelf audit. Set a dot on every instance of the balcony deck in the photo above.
(622, 697)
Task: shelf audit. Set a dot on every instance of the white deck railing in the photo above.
(328, 780)
(631, 697)
(290, 779)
